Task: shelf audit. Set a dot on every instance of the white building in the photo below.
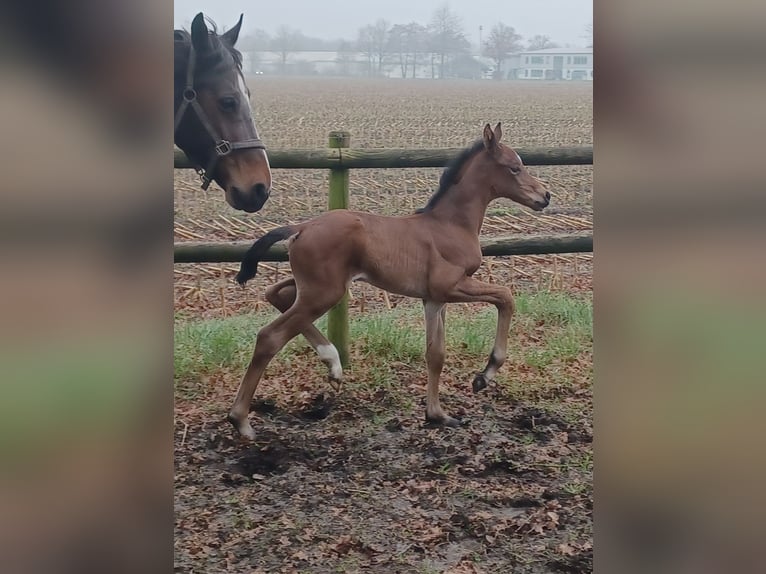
(556, 64)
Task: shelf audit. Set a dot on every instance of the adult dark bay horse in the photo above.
(213, 118)
(430, 255)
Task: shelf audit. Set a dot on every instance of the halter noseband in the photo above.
(221, 146)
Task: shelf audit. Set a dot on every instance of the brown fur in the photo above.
(430, 255)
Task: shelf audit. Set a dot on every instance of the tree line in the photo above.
(442, 45)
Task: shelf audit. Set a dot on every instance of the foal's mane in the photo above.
(450, 174)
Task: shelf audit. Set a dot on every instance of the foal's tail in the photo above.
(249, 265)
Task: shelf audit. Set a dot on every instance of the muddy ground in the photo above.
(344, 483)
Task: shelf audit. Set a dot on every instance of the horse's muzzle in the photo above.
(251, 200)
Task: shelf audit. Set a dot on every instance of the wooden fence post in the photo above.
(337, 318)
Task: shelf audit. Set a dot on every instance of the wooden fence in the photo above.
(339, 158)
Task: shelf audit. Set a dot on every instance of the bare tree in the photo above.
(257, 41)
(253, 44)
(407, 41)
(501, 43)
(446, 36)
(419, 43)
(373, 42)
(589, 35)
(284, 43)
(366, 46)
(398, 45)
(540, 42)
(345, 57)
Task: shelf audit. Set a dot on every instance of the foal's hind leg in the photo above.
(270, 341)
(282, 296)
(470, 290)
(435, 360)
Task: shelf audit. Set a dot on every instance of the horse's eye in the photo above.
(228, 104)
(515, 170)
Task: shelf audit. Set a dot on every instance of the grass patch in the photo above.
(557, 327)
(396, 336)
(201, 347)
(500, 210)
(556, 309)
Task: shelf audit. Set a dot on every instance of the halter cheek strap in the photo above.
(221, 147)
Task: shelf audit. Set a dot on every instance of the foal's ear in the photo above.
(231, 36)
(199, 34)
(498, 132)
(490, 140)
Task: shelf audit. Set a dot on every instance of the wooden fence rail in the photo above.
(339, 158)
(232, 252)
(401, 158)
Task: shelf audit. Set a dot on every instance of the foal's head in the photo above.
(221, 138)
(509, 176)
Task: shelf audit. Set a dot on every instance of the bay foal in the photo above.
(430, 255)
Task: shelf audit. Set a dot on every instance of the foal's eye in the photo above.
(515, 170)
(228, 104)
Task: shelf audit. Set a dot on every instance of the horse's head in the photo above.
(509, 176)
(214, 124)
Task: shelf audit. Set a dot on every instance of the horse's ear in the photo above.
(200, 34)
(489, 138)
(231, 36)
(498, 132)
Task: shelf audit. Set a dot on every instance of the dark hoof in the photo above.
(335, 384)
(242, 426)
(445, 421)
(479, 382)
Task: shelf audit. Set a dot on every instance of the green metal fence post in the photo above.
(337, 319)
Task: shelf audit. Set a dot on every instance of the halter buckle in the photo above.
(204, 179)
(223, 148)
(190, 94)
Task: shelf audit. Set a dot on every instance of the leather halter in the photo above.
(221, 147)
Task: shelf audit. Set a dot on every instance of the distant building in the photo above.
(555, 64)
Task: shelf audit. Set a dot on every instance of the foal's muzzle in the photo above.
(541, 204)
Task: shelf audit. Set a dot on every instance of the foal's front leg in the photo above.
(470, 290)
(434, 313)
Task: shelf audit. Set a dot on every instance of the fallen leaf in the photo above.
(567, 550)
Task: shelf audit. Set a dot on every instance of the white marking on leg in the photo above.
(328, 354)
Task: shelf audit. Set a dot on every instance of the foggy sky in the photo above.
(563, 20)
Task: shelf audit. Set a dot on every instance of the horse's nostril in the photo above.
(548, 195)
(260, 189)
